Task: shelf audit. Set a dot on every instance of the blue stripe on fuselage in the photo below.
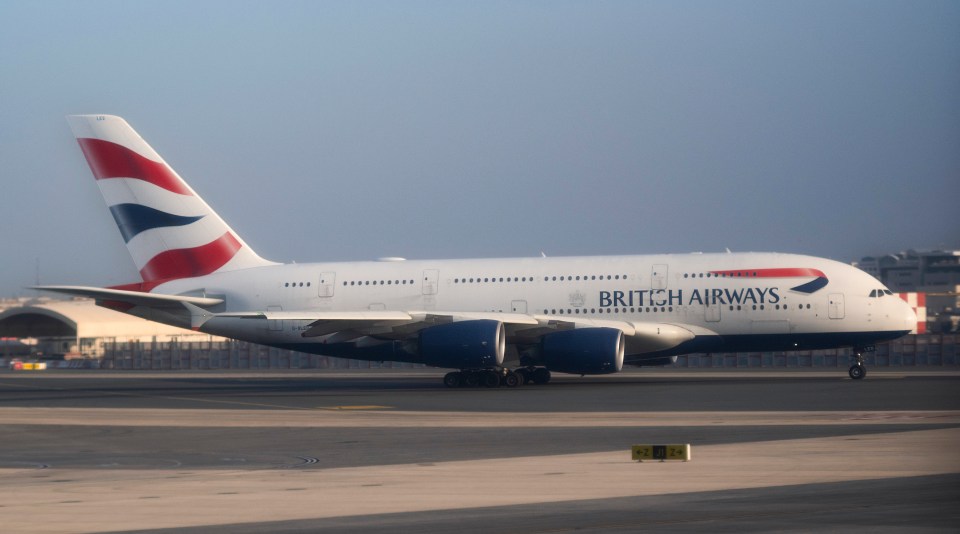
(811, 286)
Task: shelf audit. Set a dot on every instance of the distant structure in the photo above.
(66, 329)
(935, 275)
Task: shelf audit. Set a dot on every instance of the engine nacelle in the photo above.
(584, 351)
(463, 345)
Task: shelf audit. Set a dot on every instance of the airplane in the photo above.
(494, 322)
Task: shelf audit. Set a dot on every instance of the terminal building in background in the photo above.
(929, 280)
(78, 328)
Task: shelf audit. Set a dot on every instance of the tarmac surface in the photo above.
(373, 451)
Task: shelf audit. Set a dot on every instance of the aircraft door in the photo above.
(327, 283)
(835, 305)
(658, 276)
(275, 325)
(711, 313)
(430, 281)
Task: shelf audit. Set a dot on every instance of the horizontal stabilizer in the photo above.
(380, 315)
(135, 298)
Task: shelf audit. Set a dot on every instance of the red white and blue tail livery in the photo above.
(493, 321)
(170, 232)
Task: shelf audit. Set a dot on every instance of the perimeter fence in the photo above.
(922, 350)
(915, 350)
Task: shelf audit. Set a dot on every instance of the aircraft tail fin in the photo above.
(170, 232)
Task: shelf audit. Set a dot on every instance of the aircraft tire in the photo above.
(453, 380)
(491, 379)
(471, 379)
(512, 380)
(541, 375)
(857, 372)
(525, 375)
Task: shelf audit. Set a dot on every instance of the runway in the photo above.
(375, 451)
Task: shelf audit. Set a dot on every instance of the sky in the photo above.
(341, 131)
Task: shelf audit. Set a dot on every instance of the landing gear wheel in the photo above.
(857, 371)
(491, 379)
(471, 379)
(453, 380)
(512, 380)
(541, 375)
(526, 376)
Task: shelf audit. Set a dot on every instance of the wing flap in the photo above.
(396, 324)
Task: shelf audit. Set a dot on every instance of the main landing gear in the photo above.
(494, 378)
(858, 370)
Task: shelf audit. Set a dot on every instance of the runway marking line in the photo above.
(193, 399)
(357, 407)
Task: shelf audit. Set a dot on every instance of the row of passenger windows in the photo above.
(738, 274)
(494, 279)
(296, 284)
(562, 278)
(378, 282)
(776, 306)
(649, 309)
(578, 311)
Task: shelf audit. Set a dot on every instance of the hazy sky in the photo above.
(355, 130)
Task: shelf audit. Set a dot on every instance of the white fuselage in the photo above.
(740, 301)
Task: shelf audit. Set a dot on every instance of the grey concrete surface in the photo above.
(387, 451)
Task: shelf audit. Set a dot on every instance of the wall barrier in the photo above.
(212, 355)
(916, 350)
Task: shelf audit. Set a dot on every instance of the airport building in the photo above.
(78, 333)
(73, 329)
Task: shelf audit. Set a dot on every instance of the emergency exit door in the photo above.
(835, 305)
(327, 283)
(658, 276)
(431, 279)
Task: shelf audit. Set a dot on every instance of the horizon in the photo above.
(343, 132)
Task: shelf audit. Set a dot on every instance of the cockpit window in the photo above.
(873, 294)
(887, 292)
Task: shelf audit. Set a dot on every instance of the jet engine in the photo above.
(476, 344)
(584, 351)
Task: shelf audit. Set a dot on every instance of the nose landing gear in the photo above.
(858, 370)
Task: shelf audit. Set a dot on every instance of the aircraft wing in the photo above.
(399, 324)
(641, 336)
(343, 326)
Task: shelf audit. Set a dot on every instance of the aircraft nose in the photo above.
(905, 316)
